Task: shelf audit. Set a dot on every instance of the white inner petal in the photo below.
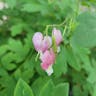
(58, 49)
(49, 70)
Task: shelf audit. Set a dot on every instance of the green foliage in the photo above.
(33, 7)
(85, 33)
(47, 89)
(22, 89)
(75, 65)
(61, 63)
(61, 90)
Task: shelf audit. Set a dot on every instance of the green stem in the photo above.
(64, 31)
(54, 25)
(37, 56)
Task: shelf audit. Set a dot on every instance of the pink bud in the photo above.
(48, 59)
(58, 36)
(37, 41)
(41, 43)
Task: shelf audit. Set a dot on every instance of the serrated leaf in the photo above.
(3, 49)
(7, 60)
(17, 29)
(22, 89)
(17, 47)
(61, 90)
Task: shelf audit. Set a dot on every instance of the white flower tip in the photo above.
(49, 71)
(58, 49)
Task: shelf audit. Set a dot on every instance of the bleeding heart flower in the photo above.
(58, 36)
(41, 43)
(37, 41)
(48, 59)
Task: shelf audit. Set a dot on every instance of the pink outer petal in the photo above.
(37, 41)
(46, 43)
(58, 36)
(41, 44)
(44, 66)
(47, 58)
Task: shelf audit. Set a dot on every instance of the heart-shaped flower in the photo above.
(41, 43)
(58, 36)
(48, 59)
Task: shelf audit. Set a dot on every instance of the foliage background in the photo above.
(75, 68)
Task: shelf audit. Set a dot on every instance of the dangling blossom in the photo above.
(41, 43)
(44, 45)
(48, 59)
(58, 36)
(37, 40)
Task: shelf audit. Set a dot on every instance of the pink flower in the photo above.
(41, 43)
(58, 36)
(37, 41)
(48, 59)
(46, 43)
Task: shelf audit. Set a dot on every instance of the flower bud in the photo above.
(37, 41)
(58, 36)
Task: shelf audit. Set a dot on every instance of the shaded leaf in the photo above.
(22, 89)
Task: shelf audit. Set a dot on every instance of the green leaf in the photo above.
(7, 60)
(60, 67)
(17, 47)
(38, 85)
(72, 60)
(47, 89)
(77, 91)
(94, 90)
(85, 33)
(8, 85)
(11, 3)
(61, 90)
(3, 49)
(32, 7)
(17, 29)
(92, 76)
(22, 89)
